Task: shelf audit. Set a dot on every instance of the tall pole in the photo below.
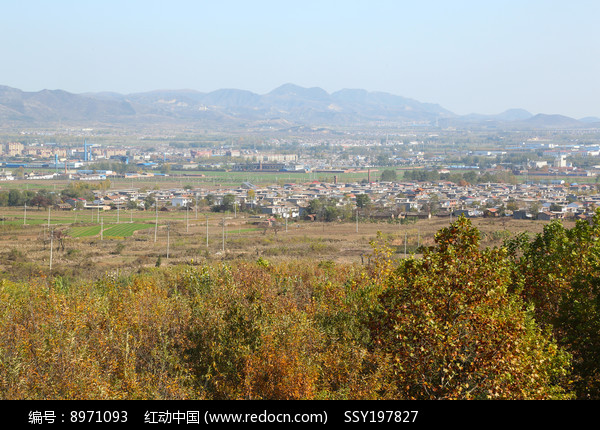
(102, 229)
(25, 214)
(168, 237)
(187, 219)
(48, 218)
(51, 245)
(155, 222)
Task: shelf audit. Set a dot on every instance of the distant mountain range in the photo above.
(286, 106)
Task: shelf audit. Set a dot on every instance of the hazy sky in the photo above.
(481, 56)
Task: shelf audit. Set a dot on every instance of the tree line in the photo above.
(43, 198)
(469, 177)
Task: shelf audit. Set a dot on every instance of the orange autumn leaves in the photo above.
(442, 327)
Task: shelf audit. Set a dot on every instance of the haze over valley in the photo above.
(286, 106)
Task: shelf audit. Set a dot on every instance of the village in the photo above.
(387, 201)
(338, 183)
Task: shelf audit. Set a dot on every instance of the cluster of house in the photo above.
(386, 199)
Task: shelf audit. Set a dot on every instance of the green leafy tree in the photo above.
(78, 189)
(470, 177)
(227, 204)
(389, 175)
(149, 201)
(15, 198)
(41, 200)
(363, 201)
(165, 168)
(4, 198)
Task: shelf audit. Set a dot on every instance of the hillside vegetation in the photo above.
(462, 322)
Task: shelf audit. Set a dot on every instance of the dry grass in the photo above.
(185, 242)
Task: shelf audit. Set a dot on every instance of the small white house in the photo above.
(181, 201)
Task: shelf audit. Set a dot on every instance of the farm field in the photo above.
(203, 179)
(132, 241)
(85, 231)
(120, 230)
(125, 230)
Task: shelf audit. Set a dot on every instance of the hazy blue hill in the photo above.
(167, 96)
(295, 91)
(385, 105)
(514, 115)
(58, 105)
(11, 103)
(231, 98)
(508, 115)
(287, 106)
(351, 96)
(590, 119)
(106, 95)
(552, 121)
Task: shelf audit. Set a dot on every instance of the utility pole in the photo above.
(102, 229)
(51, 245)
(25, 215)
(155, 222)
(168, 237)
(187, 219)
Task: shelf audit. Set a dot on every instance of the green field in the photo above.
(120, 230)
(85, 231)
(125, 230)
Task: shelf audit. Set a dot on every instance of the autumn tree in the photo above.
(557, 273)
(449, 328)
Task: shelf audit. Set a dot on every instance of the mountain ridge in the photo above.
(288, 103)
